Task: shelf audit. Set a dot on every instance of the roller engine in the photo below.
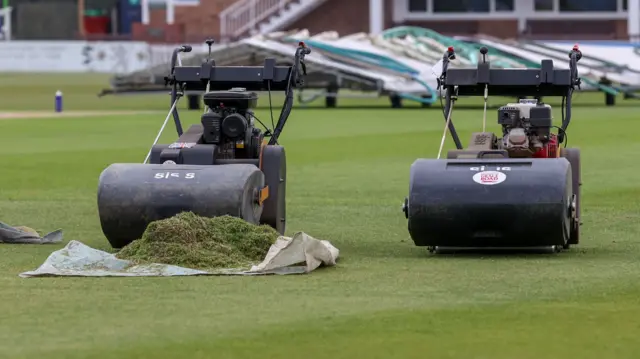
(226, 132)
(229, 123)
(520, 191)
(526, 129)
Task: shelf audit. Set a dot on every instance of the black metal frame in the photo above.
(545, 81)
(268, 77)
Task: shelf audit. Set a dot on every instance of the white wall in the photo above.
(112, 57)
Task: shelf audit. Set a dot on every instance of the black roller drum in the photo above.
(489, 203)
(130, 196)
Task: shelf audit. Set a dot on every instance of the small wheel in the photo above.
(573, 156)
(396, 101)
(425, 105)
(193, 102)
(330, 101)
(405, 207)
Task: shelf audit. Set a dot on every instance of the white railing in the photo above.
(5, 24)
(246, 15)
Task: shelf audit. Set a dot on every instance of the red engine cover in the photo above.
(550, 150)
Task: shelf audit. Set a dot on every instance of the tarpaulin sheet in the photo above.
(25, 235)
(288, 255)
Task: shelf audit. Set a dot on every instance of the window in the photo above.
(417, 5)
(588, 5)
(544, 5)
(102, 4)
(460, 5)
(504, 5)
(624, 5)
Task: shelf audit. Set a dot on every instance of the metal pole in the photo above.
(444, 134)
(81, 8)
(173, 107)
(146, 17)
(5, 26)
(171, 8)
(114, 21)
(252, 15)
(633, 20)
(376, 16)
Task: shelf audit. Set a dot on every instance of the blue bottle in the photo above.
(58, 103)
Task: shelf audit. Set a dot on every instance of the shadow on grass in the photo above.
(573, 252)
(507, 255)
(408, 251)
(434, 107)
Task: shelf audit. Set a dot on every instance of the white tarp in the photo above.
(289, 255)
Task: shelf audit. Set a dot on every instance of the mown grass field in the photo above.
(348, 174)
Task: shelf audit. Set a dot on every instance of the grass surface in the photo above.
(348, 174)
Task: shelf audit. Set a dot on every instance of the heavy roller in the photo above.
(520, 191)
(221, 166)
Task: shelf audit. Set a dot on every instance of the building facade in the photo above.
(542, 19)
(194, 20)
(536, 19)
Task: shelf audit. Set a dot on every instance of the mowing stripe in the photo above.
(47, 114)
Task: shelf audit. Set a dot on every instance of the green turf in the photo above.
(348, 174)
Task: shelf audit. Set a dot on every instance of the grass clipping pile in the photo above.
(191, 241)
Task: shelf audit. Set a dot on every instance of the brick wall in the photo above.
(577, 30)
(194, 24)
(201, 22)
(344, 16)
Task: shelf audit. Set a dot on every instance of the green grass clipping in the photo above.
(191, 241)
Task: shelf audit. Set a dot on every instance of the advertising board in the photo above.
(74, 56)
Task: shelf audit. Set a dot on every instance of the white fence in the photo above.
(111, 57)
(246, 15)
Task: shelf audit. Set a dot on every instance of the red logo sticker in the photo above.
(489, 177)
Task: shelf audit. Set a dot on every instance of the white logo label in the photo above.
(182, 145)
(168, 175)
(489, 177)
(483, 168)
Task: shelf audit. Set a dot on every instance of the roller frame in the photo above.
(271, 160)
(538, 83)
